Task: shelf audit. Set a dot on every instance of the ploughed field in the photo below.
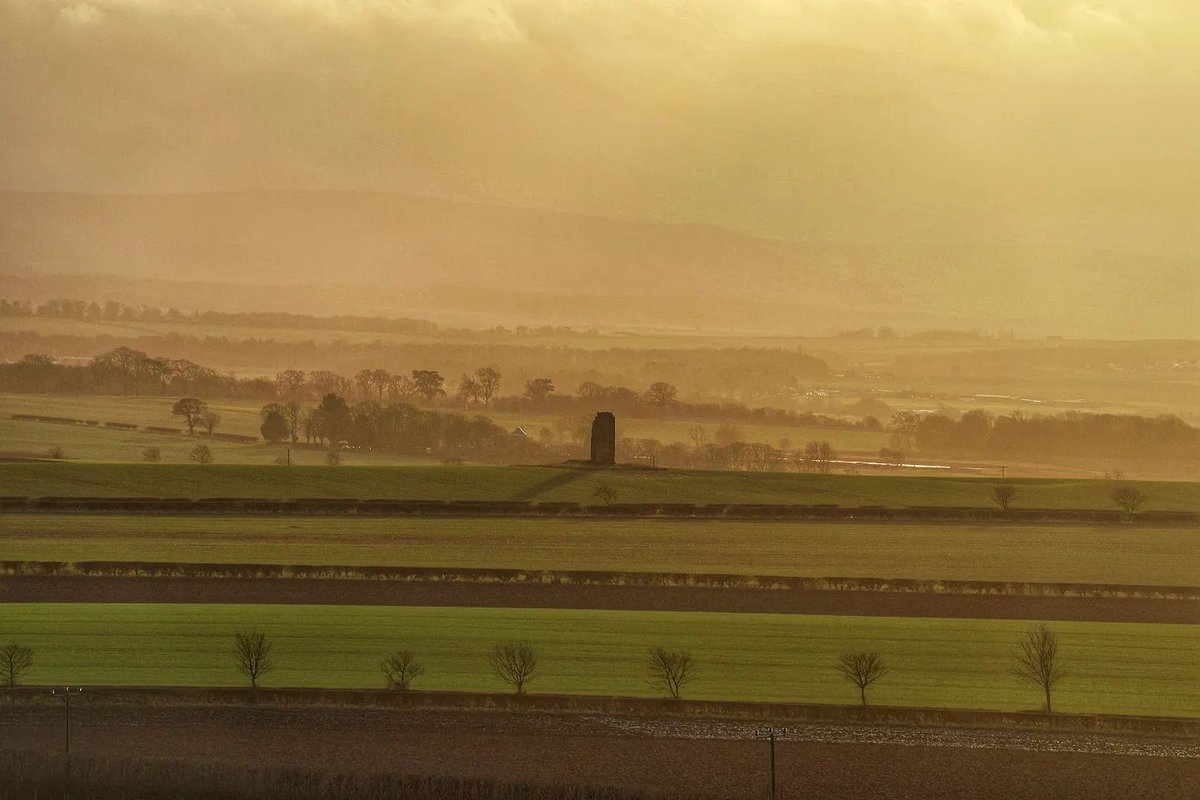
(712, 758)
(1043, 553)
(607, 596)
(556, 484)
(1142, 669)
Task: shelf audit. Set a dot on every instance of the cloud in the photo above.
(811, 118)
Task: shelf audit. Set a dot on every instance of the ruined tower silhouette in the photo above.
(604, 439)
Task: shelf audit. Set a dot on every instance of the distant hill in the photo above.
(369, 253)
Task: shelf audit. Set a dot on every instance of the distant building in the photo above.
(604, 439)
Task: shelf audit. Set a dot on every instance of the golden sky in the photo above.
(1072, 121)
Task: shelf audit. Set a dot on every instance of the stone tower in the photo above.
(604, 439)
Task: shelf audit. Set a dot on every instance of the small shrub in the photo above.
(605, 494)
(56, 453)
(1003, 495)
(333, 458)
(201, 454)
(152, 455)
(1129, 498)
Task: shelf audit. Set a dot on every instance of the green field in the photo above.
(1117, 668)
(1058, 553)
(559, 484)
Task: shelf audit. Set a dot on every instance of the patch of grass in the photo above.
(676, 430)
(559, 484)
(88, 443)
(1046, 554)
(1115, 668)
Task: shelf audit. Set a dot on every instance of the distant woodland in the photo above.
(424, 411)
(738, 373)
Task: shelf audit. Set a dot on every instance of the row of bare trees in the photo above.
(1129, 499)
(516, 663)
(1035, 659)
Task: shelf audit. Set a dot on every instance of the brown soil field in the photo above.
(98, 589)
(652, 754)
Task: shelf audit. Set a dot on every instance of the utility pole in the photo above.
(770, 734)
(65, 693)
(1003, 473)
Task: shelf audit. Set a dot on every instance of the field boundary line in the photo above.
(715, 581)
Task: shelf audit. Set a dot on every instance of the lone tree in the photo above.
(15, 661)
(400, 669)
(201, 454)
(820, 456)
(1037, 660)
(252, 655)
(1003, 494)
(192, 410)
(671, 670)
(275, 427)
(209, 420)
(605, 494)
(538, 389)
(515, 663)
(489, 383)
(862, 669)
(1129, 499)
(152, 455)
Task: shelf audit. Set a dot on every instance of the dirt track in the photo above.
(71, 588)
(665, 754)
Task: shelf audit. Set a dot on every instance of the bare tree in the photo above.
(209, 420)
(671, 670)
(605, 494)
(468, 389)
(1129, 499)
(201, 454)
(489, 383)
(401, 669)
(820, 456)
(252, 652)
(152, 455)
(15, 661)
(699, 436)
(538, 389)
(293, 413)
(661, 394)
(288, 382)
(862, 669)
(515, 663)
(1037, 660)
(1003, 494)
(333, 458)
(191, 409)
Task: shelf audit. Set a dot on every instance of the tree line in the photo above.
(765, 376)
(1070, 435)
(668, 670)
(114, 311)
(394, 428)
(124, 370)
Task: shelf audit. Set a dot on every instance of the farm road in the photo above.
(656, 753)
(96, 589)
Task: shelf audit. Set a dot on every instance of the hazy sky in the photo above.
(1029, 120)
